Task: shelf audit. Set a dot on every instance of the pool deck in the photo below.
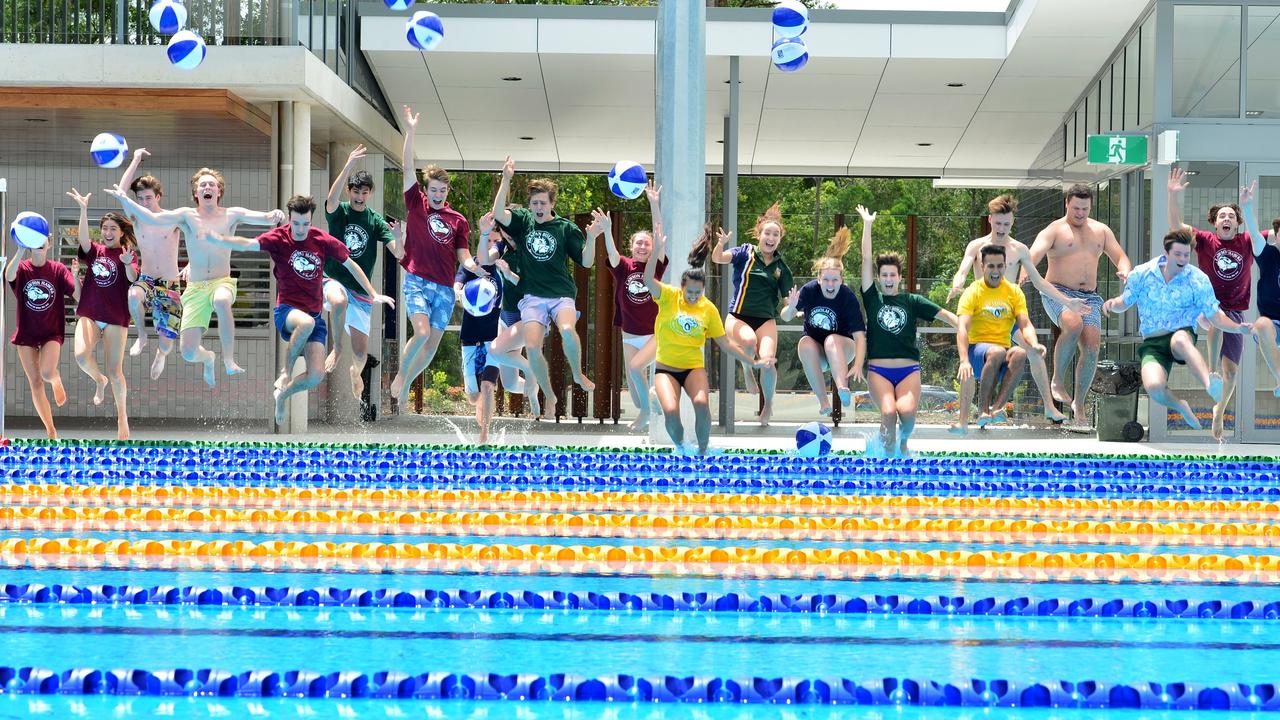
(461, 431)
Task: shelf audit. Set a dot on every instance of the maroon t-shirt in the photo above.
(104, 293)
(299, 266)
(433, 238)
(42, 293)
(634, 309)
(1229, 265)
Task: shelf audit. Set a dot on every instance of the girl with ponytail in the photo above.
(834, 333)
(686, 320)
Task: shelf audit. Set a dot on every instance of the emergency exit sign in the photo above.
(1117, 149)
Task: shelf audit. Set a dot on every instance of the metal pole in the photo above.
(4, 261)
(728, 365)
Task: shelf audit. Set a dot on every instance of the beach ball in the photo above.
(813, 439)
(30, 230)
(424, 30)
(627, 179)
(479, 296)
(168, 17)
(399, 4)
(186, 50)
(790, 54)
(790, 18)
(108, 150)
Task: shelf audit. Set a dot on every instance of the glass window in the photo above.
(1131, 121)
(1262, 86)
(1146, 70)
(1080, 127)
(1206, 61)
(1104, 103)
(1091, 109)
(1070, 138)
(1117, 94)
(1211, 183)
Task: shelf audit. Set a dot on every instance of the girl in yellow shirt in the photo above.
(686, 320)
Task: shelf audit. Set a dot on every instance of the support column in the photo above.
(295, 178)
(728, 365)
(681, 80)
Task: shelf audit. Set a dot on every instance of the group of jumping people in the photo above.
(133, 270)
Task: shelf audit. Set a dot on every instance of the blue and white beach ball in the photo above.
(424, 30)
(186, 50)
(30, 230)
(479, 296)
(790, 54)
(399, 4)
(790, 18)
(627, 179)
(108, 150)
(813, 439)
(168, 17)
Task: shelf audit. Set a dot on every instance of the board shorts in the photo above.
(319, 334)
(423, 297)
(1092, 300)
(197, 301)
(359, 307)
(164, 302)
(1158, 349)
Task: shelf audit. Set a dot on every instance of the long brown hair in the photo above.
(698, 257)
(127, 239)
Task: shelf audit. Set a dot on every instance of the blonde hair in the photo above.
(1002, 204)
(222, 182)
(435, 172)
(772, 215)
(833, 258)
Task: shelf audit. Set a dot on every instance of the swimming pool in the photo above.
(296, 581)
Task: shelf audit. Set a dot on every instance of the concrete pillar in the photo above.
(296, 179)
(681, 74)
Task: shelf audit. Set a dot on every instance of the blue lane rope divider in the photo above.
(636, 689)
(623, 602)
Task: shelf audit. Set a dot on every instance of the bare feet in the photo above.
(122, 433)
(1052, 415)
(210, 370)
(824, 409)
(282, 379)
(331, 361)
(100, 392)
(749, 379)
(585, 383)
(357, 383)
(1059, 392)
(280, 406)
(1215, 387)
(640, 424)
(846, 396)
(535, 410)
(1078, 411)
(59, 392)
(958, 429)
(136, 349)
(1219, 421)
(550, 407)
(157, 365)
(1188, 415)
(233, 368)
(397, 384)
(765, 414)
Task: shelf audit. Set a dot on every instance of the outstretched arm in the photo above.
(1045, 287)
(1177, 183)
(165, 218)
(790, 310)
(601, 224)
(500, 211)
(1029, 332)
(655, 213)
(86, 241)
(396, 246)
(335, 190)
(719, 255)
(1037, 251)
(948, 317)
(126, 179)
(268, 218)
(612, 256)
(1250, 218)
(960, 281)
(11, 270)
(728, 347)
(371, 292)
(234, 242)
(868, 262)
(651, 268)
(406, 156)
(1226, 324)
(965, 372)
(1111, 246)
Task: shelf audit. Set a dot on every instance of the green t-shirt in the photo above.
(891, 323)
(541, 251)
(360, 232)
(757, 285)
(511, 292)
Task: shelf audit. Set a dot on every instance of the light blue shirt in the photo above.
(1164, 307)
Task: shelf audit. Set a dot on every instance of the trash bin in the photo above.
(1116, 388)
(368, 408)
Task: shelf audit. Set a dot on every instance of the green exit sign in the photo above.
(1118, 149)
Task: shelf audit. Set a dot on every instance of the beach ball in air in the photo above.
(424, 30)
(108, 150)
(186, 50)
(399, 4)
(168, 17)
(479, 297)
(790, 54)
(30, 230)
(627, 179)
(813, 439)
(790, 18)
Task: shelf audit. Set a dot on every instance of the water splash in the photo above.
(874, 446)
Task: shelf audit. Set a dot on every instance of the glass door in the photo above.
(1259, 405)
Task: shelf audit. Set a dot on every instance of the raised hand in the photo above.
(277, 217)
(508, 169)
(1248, 192)
(128, 256)
(411, 117)
(653, 192)
(857, 372)
(1178, 180)
(114, 191)
(141, 153)
(600, 221)
(81, 200)
(793, 297)
(722, 237)
(356, 154)
(486, 223)
(75, 268)
(397, 230)
(867, 215)
(954, 291)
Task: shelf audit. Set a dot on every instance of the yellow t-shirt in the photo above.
(682, 329)
(993, 311)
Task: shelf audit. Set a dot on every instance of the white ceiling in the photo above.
(872, 94)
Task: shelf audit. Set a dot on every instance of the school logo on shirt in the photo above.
(306, 264)
(104, 271)
(823, 318)
(1227, 264)
(440, 230)
(892, 318)
(541, 244)
(356, 239)
(39, 294)
(687, 324)
(997, 309)
(636, 290)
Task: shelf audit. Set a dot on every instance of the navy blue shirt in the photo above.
(823, 316)
(476, 330)
(1269, 282)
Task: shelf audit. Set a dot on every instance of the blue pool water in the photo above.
(1027, 651)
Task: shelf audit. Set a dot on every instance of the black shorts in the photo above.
(755, 323)
(820, 336)
(680, 375)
